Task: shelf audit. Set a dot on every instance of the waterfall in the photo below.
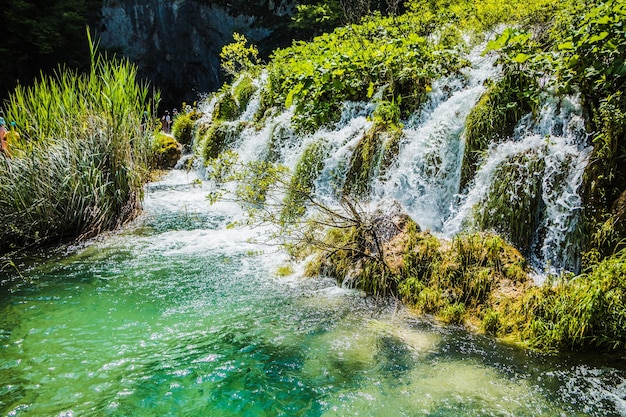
(425, 178)
(526, 186)
(556, 142)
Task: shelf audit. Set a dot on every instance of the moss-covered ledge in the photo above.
(481, 281)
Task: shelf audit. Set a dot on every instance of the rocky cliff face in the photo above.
(176, 43)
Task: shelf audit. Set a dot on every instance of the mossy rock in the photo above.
(243, 92)
(279, 136)
(364, 163)
(302, 182)
(216, 138)
(353, 253)
(390, 149)
(182, 128)
(226, 107)
(494, 117)
(166, 151)
(513, 205)
(232, 101)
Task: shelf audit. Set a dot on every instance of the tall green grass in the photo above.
(82, 157)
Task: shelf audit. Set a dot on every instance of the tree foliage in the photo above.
(237, 57)
(39, 35)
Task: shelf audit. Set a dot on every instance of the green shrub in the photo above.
(183, 126)
(380, 54)
(166, 151)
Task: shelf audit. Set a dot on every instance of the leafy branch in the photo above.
(339, 232)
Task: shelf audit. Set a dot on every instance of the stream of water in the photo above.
(179, 315)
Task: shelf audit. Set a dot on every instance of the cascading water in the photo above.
(180, 315)
(425, 178)
(555, 145)
(549, 150)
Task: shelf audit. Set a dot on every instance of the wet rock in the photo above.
(176, 44)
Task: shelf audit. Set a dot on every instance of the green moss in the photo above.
(494, 117)
(183, 125)
(391, 148)
(165, 150)
(226, 107)
(306, 172)
(278, 137)
(284, 270)
(481, 279)
(217, 137)
(512, 205)
(364, 162)
(243, 92)
(452, 280)
(232, 101)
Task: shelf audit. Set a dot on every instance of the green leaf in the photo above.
(370, 90)
(599, 37)
(566, 46)
(604, 20)
(521, 58)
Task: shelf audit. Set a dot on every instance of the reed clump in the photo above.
(81, 159)
(580, 313)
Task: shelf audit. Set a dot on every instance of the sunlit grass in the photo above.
(81, 160)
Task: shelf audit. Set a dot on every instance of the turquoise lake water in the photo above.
(178, 315)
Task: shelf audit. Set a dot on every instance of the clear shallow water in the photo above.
(180, 316)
